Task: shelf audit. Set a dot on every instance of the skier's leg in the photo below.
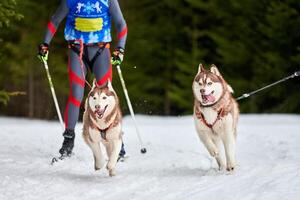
(77, 82)
(102, 67)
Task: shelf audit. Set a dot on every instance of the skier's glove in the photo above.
(117, 56)
(43, 51)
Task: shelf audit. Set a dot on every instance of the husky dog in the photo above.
(216, 114)
(102, 123)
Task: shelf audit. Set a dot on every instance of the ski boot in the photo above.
(68, 144)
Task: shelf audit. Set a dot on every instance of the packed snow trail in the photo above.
(176, 166)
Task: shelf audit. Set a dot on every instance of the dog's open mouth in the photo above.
(208, 98)
(100, 112)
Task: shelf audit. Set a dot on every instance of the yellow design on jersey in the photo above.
(88, 24)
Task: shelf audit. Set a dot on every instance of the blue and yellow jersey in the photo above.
(88, 20)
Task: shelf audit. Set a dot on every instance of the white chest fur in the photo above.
(102, 124)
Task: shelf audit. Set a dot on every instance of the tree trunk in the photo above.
(31, 93)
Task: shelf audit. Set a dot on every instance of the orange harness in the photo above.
(101, 131)
(200, 116)
(221, 113)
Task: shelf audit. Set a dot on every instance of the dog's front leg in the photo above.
(98, 155)
(219, 157)
(206, 138)
(229, 141)
(115, 147)
(94, 144)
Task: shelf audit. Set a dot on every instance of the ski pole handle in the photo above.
(53, 94)
(143, 149)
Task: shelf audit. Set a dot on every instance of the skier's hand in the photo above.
(43, 51)
(117, 57)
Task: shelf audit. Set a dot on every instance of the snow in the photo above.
(176, 166)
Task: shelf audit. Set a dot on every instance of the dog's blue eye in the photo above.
(210, 83)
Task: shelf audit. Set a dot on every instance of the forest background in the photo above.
(252, 42)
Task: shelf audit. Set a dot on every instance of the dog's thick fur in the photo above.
(102, 123)
(216, 114)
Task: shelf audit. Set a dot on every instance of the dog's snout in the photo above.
(97, 107)
(202, 91)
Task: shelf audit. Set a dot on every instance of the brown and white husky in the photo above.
(102, 123)
(216, 115)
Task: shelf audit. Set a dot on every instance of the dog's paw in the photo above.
(109, 166)
(213, 152)
(221, 167)
(230, 167)
(112, 172)
(99, 166)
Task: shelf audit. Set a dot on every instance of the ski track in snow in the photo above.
(176, 166)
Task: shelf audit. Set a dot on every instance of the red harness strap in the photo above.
(103, 131)
(200, 116)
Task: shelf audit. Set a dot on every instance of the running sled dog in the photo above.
(216, 114)
(102, 123)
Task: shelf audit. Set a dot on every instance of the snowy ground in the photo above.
(176, 166)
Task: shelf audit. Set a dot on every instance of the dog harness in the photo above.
(221, 113)
(104, 131)
(200, 116)
(88, 20)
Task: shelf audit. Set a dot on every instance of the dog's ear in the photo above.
(230, 89)
(95, 84)
(200, 68)
(109, 85)
(214, 70)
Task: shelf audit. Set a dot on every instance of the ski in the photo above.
(123, 158)
(63, 157)
(59, 158)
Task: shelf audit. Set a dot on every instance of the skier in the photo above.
(88, 33)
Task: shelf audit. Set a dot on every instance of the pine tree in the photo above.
(7, 13)
(256, 43)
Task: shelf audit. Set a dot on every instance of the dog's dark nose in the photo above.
(97, 107)
(202, 91)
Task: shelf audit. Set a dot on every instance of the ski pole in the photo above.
(246, 95)
(53, 93)
(143, 149)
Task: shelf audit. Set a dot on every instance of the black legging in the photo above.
(102, 70)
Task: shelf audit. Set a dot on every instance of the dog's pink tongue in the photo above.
(101, 111)
(208, 98)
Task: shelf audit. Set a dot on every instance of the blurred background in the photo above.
(253, 42)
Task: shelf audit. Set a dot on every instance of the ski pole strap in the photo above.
(44, 58)
(246, 95)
